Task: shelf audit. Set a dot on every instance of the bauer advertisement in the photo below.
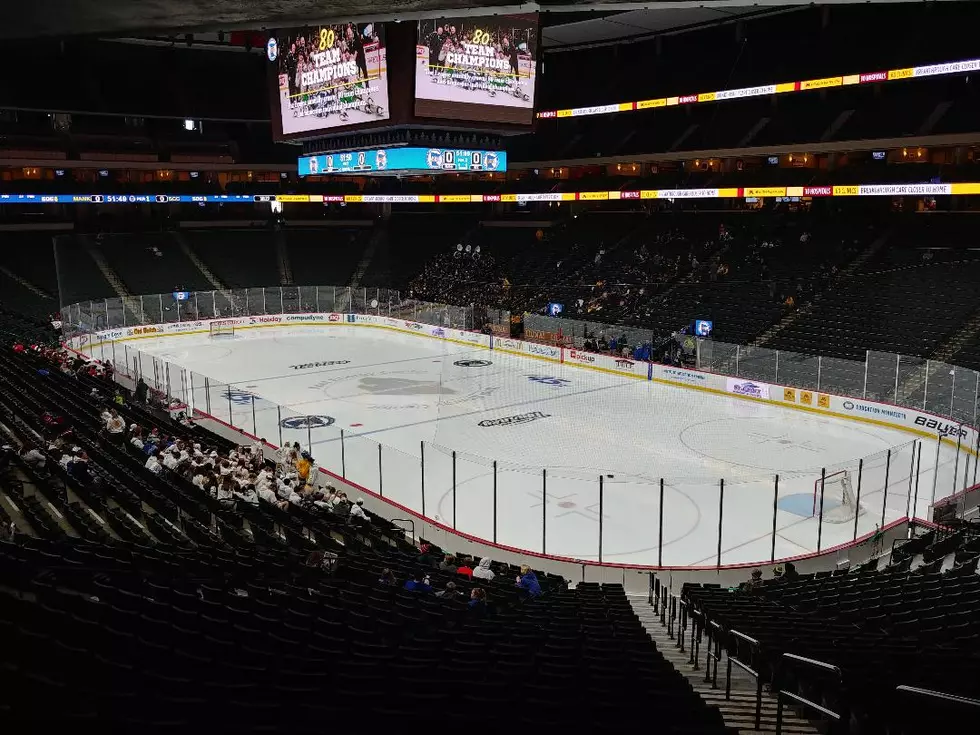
(477, 68)
(329, 76)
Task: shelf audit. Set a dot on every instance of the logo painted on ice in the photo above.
(416, 327)
(307, 422)
(521, 418)
(241, 397)
(548, 380)
(323, 363)
(473, 363)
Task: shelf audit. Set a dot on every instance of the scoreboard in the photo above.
(404, 161)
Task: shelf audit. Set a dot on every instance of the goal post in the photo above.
(838, 494)
(223, 328)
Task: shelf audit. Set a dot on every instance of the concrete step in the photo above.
(738, 709)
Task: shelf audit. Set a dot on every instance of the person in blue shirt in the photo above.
(528, 582)
(477, 604)
(418, 583)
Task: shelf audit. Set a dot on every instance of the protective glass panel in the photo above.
(204, 304)
(307, 299)
(757, 363)
(796, 369)
(844, 377)
(115, 312)
(152, 309)
(401, 475)
(290, 300)
(273, 300)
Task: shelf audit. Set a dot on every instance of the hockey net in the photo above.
(223, 328)
(839, 505)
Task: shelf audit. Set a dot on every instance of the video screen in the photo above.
(477, 68)
(330, 76)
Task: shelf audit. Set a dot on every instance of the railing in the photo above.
(927, 708)
(784, 695)
(903, 380)
(747, 668)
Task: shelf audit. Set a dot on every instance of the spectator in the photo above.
(483, 570)
(137, 437)
(387, 578)
(357, 511)
(448, 564)
(115, 426)
(789, 571)
(464, 568)
(755, 582)
(449, 593)
(33, 458)
(425, 556)
(141, 390)
(418, 583)
(79, 469)
(527, 581)
(478, 601)
(153, 462)
(303, 466)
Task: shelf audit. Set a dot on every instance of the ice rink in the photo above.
(552, 426)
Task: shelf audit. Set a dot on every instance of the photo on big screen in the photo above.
(331, 76)
(477, 68)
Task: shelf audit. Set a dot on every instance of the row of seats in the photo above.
(172, 611)
(908, 624)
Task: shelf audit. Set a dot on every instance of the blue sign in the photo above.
(555, 309)
(181, 295)
(703, 328)
(384, 160)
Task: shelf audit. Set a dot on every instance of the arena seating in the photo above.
(914, 623)
(151, 262)
(326, 255)
(172, 611)
(923, 256)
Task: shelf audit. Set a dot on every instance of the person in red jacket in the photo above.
(464, 567)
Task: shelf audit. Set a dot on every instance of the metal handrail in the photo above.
(748, 670)
(942, 696)
(782, 694)
(681, 623)
(714, 654)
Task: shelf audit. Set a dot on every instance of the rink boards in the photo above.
(921, 423)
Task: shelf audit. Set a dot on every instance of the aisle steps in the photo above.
(739, 710)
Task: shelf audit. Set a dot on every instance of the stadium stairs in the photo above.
(200, 264)
(737, 701)
(130, 303)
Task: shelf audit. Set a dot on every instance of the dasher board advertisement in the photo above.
(329, 77)
(477, 68)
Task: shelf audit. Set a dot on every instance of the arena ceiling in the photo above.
(38, 18)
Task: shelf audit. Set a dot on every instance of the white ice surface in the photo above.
(400, 391)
